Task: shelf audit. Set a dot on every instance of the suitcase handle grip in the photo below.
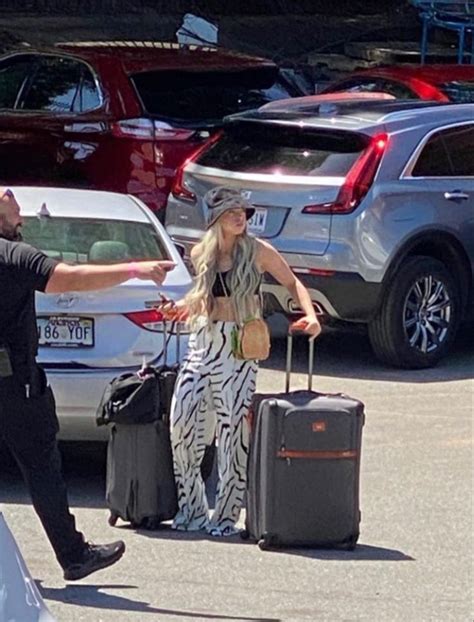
(289, 359)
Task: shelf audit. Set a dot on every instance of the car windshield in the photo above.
(459, 91)
(269, 149)
(189, 97)
(77, 240)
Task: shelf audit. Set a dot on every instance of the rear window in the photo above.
(94, 241)
(461, 92)
(205, 96)
(271, 149)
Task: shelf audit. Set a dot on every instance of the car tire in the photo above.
(419, 315)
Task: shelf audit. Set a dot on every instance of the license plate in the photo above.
(257, 223)
(60, 331)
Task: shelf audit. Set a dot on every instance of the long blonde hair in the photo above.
(242, 281)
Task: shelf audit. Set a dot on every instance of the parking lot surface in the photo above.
(414, 558)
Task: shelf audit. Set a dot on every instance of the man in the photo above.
(28, 421)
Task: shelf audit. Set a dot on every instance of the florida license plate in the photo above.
(61, 331)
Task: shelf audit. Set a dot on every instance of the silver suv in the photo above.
(371, 203)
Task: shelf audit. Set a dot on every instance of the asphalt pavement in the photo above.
(414, 558)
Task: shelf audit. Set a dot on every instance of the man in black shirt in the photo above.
(28, 421)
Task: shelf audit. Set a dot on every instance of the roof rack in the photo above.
(161, 45)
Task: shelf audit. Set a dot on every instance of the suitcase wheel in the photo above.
(349, 545)
(265, 543)
(244, 534)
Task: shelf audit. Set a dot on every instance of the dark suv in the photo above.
(120, 116)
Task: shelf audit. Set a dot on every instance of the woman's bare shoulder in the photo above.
(263, 246)
(265, 252)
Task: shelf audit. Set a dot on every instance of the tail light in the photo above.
(358, 181)
(164, 131)
(147, 129)
(140, 129)
(178, 188)
(150, 319)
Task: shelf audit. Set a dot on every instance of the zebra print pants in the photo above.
(213, 389)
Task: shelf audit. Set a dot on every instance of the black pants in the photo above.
(28, 426)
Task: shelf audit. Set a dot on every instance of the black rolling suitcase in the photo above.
(140, 485)
(303, 475)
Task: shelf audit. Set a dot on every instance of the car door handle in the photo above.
(456, 195)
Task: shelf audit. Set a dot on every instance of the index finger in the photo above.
(167, 265)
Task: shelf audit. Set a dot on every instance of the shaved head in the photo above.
(10, 219)
(6, 196)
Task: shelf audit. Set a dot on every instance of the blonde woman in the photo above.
(213, 385)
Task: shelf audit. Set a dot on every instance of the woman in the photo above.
(212, 384)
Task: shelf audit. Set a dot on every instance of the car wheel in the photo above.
(419, 315)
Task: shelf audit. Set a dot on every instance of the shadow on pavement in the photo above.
(92, 596)
(347, 353)
(362, 552)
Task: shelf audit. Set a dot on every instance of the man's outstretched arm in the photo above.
(66, 278)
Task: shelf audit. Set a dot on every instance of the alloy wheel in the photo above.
(427, 314)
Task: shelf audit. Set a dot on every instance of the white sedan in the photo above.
(88, 338)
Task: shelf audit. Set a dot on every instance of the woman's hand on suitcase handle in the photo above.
(308, 324)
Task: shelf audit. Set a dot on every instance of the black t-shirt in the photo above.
(23, 270)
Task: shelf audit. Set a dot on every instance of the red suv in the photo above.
(120, 116)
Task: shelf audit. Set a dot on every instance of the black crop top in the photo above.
(223, 290)
(218, 289)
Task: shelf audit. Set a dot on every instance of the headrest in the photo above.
(105, 251)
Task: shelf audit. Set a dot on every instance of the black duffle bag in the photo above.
(132, 398)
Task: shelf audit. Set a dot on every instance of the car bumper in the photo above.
(77, 397)
(342, 296)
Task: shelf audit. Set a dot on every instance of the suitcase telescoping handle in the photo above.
(289, 359)
(175, 329)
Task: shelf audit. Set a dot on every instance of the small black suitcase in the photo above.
(303, 475)
(140, 484)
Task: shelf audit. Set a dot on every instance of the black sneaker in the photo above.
(96, 557)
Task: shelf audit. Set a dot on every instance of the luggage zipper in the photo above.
(282, 454)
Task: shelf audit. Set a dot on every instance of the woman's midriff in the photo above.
(223, 311)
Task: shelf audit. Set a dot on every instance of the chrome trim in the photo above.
(303, 180)
(412, 160)
(456, 195)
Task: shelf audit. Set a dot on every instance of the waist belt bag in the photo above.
(131, 398)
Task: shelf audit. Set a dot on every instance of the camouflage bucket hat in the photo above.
(221, 199)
